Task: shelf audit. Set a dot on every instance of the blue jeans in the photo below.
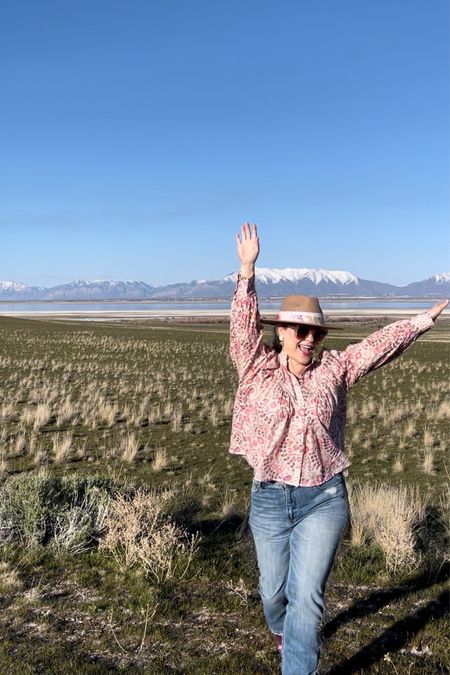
(297, 532)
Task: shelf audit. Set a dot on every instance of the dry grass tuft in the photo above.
(19, 445)
(139, 534)
(65, 413)
(389, 516)
(177, 418)
(42, 416)
(7, 410)
(398, 465)
(428, 439)
(228, 507)
(160, 460)
(9, 578)
(428, 461)
(3, 465)
(240, 589)
(62, 445)
(130, 448)
(443, 412)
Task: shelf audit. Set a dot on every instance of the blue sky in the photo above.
(137, 136)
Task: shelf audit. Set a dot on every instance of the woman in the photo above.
(288, 422)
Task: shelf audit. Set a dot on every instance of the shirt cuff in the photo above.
(244, 285)
(422, 322)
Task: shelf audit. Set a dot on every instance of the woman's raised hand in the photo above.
(437, 309)
(247, 248)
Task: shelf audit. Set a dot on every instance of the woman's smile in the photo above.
(306, 349)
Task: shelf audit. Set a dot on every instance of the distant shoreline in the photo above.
(187, 301)
(184, 314)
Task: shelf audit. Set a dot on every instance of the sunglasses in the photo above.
(302, 331)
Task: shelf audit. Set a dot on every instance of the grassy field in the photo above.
(124, 545)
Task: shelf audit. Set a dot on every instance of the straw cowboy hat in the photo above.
(299, 309)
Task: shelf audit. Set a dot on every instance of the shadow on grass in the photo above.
(21, 655)
(398, 634)
(217, 535)
(224, 550)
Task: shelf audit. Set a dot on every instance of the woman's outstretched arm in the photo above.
(246, 336)
(386, 344)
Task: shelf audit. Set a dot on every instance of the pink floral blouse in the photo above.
(291, 429)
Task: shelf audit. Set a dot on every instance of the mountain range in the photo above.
(270, 283)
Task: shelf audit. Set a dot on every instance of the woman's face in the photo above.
(299, 343)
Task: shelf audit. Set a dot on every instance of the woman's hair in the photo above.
(276, 344)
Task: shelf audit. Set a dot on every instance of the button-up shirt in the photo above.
(291, 429)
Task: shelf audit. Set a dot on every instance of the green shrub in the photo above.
(69, 512)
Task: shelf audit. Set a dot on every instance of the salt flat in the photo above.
(193, 313)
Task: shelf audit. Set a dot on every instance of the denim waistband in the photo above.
(275, 484)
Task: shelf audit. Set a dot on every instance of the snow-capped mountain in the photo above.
(99, 290)
(15, 290)
(438, 283)
(441, 278)
(279, 282)
(195, 289)
(266, 275)
(269, 283)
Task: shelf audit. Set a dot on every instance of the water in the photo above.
(82, 307)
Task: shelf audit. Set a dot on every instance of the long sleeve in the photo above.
(246, 335)
(382, 347)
